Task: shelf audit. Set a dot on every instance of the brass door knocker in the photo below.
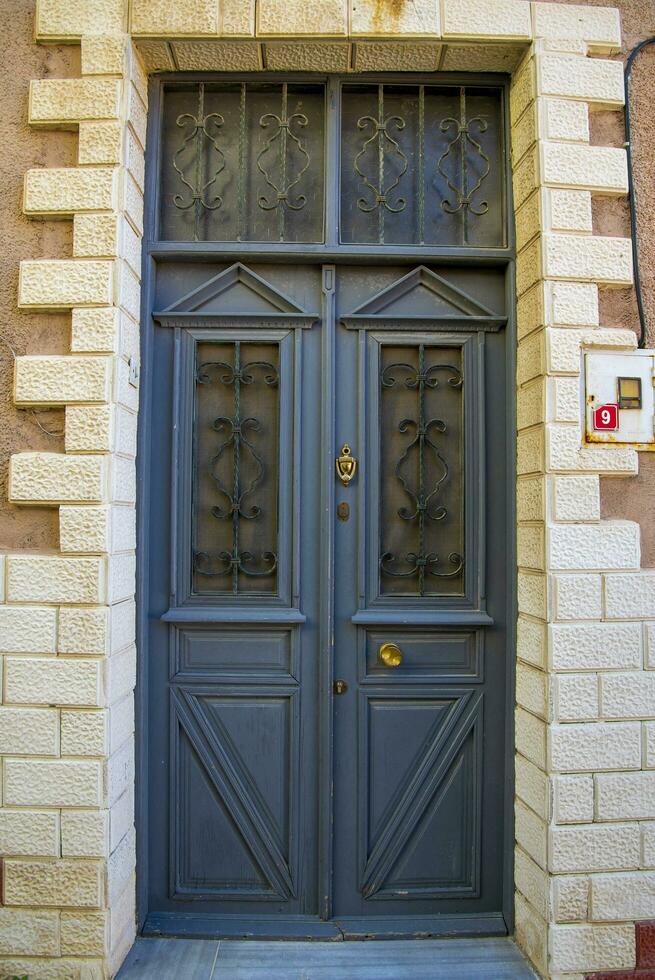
(346, 465)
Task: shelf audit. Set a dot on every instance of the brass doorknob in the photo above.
(390, 655)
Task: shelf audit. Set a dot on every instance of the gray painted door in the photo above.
(327, 662)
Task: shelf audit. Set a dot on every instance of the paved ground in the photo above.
(427, 959)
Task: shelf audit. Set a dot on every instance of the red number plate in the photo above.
(606, 417)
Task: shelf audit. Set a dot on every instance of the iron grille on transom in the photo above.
(418, 164)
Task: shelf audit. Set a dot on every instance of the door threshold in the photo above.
(349, 928)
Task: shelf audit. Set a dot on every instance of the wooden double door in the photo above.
(328, 595)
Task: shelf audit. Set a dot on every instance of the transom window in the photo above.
(396, 163)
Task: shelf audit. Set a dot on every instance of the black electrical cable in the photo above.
(631, 188)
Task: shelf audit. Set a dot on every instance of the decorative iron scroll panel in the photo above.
(419, 164)
(421, 478)
(236, 449)
(422, 164)
(243, 162)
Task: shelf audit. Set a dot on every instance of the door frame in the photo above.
(327, 255)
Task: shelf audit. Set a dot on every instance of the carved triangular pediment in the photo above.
(237, 295)
(417, 300)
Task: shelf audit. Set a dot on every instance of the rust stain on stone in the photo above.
(387, 14)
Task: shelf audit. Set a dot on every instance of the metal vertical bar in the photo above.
(241, 180)
(283, 161)
(380, 162)
(199, 129)
(421, 164)
(462, 153)
(236, 489)
(421, 468)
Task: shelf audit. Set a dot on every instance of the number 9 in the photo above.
(605, 416)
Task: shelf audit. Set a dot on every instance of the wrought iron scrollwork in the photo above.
(202, 131)
(463, 140)
(282, 134)
(237, 505)
(382, 139)
(424, 495)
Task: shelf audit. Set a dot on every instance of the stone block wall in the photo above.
(585, 715)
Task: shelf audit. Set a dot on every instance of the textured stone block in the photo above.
(121, 722)
(121, 867)
(59, 283)
(121, 675)
(53, 883)
(99, 142)
(95, 330)
(576, 697)
(307, 56)
(564, 120)
(525, 178)
(84, 530)
(531, 881)
(83, 631)
(532, 594)
(531, 690)
(400, 56)
(28, 731)
(522, 90)
(599, 27)
(35, 782)
(530, 499)
(625, 796)
(628, 696)
(572, 304)
(610, 544)
(576, 498)
(564, 452)
(630, 596)
(530, 451)
(28, 933)
(531, 641)
(531, 933)
(569, 210)
(577, 597)
(564, 347)
(89, 428)
(531, 833)
(530, 547)
(293, 17)
(626, 896)
(185, 18)
(37, 680)
(56, 380)
(57, 21)
(217, 55)
(532, 786)
(583, 948)
(585, 748)
(95, 235)
(155, 55)
(83, 733)
(573, 799)
(570, 77)
(62, 968)
(570, 898)
(62, 103)
(530, 360)
(594, 848)
(482, 57)
(27, 629)
(601, 169)
(523, 134)
(530, 311)
(122, 624)
(84, 933)
(531, 737)
(369, 18)
(53, 478)
(649, 746)
(563, 401)
(48, 578)
(596, 646)
(61, 191)
(29, 832)
(84, 833)
(103, 54)
(588, 257)
(473, 19)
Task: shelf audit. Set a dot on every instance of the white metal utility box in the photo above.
(619, 398)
